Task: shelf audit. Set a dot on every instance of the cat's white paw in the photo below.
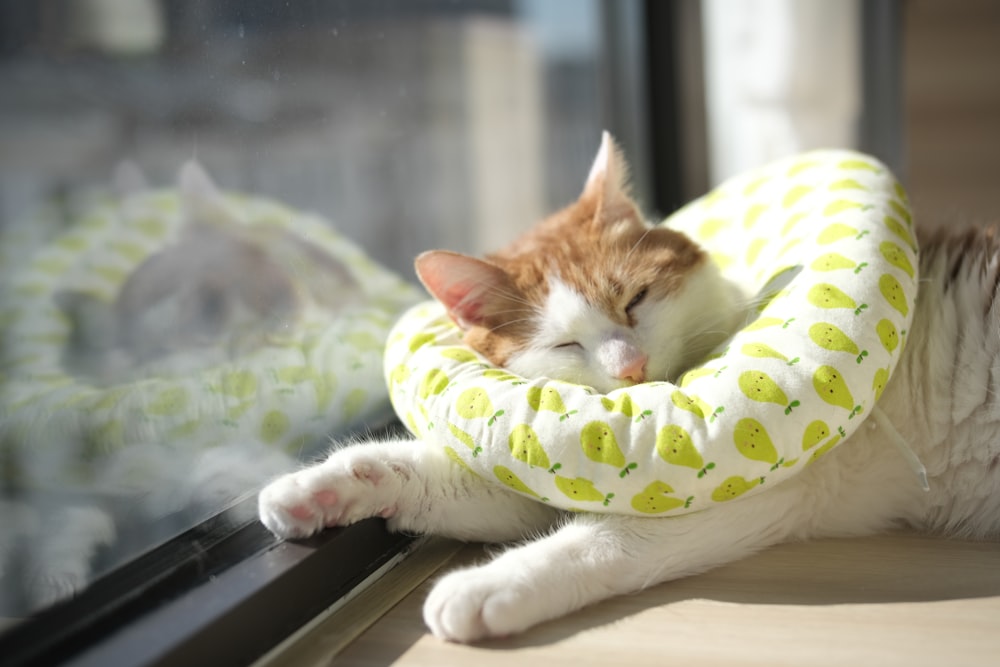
(346, 488)
(478, 603)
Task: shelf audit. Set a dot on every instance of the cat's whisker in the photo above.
(638, 242)
(510, 322)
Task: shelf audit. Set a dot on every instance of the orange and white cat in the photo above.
(595, 295)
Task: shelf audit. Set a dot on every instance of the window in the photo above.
(172, 336)
(157, 363)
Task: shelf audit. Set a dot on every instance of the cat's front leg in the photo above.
(594, 557)
(416, 487)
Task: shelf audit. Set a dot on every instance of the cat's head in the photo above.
(592, 294)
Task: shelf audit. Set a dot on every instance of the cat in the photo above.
(585, 297)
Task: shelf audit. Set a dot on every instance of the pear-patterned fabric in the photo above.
(824, 240)
(319, 377)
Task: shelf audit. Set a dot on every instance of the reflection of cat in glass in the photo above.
(219, 291)
(593, 295)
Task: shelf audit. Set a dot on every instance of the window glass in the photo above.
(208, 214)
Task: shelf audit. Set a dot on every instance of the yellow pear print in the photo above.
(835, 232)
(793, 196)
(420, 340)
(600, 445)
(792, 221)
(758, 386)
(753, 251)
(509, 479)
(754, 185)
(832, 261)
(696, 373)
(800, 167)
(753, 214)
(897, 228)
(815, 433)
(500, 375)
(433, 383)
(474, 403)
(847, 184)
(454, 456)
(465, 439)
(840, 206)
(764, 351)
(734, 487)
(830, 337)
(752, 441)
(896, 256)
(901, 211)
(900, 190)
(711, 227)
(459, 354)
(674, 445)
(893, 293)
(582, 489)
(690, 403)
(859, 164)
(756, 325)
(411, 423)
(654, 499)
(624, 404)
(879, 382)
(832, 388)
(399, 374)
(524, 446)
(827, 446)
(887, 333)
(547, 398)
(825, 295)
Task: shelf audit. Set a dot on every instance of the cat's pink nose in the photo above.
(622, 359)
(634, 370)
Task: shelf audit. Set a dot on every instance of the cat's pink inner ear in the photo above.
(466, 286)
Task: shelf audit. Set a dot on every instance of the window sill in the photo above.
(206, 598)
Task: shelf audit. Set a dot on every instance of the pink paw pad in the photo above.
(325, 498)
(301, 512)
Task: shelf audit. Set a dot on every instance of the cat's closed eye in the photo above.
(567, 346)
(636, 300)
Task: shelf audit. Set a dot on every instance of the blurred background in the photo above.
(414, 124)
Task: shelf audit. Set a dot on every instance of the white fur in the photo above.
(692, 323)
(602, 348)
(604, 351)
(942, 400)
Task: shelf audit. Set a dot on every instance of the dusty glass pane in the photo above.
(208, 213)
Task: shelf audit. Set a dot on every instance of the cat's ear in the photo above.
(474, 292)
(608, 186)
(202, 201)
